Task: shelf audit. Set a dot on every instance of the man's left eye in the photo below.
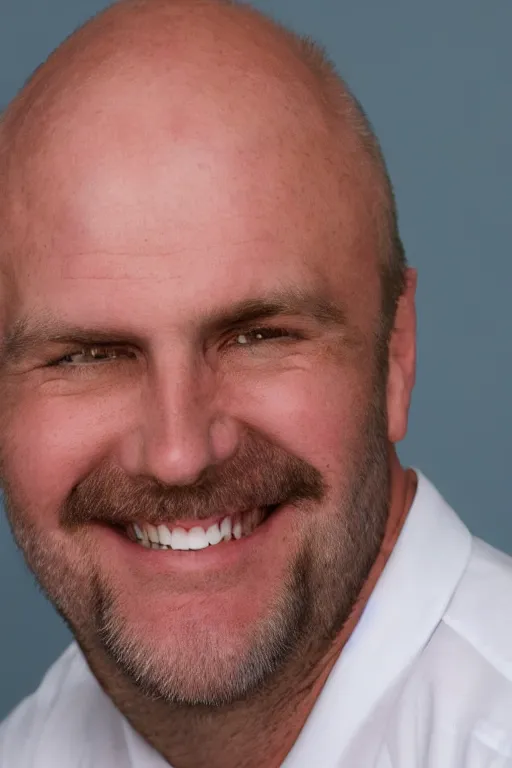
(264, 334)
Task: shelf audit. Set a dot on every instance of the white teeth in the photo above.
(225, 529)
(153, 534)
(161, 537)
(179, 538)
(237, 530)
(213, 534)
(197, 538)
(138, 531)
(164, 535)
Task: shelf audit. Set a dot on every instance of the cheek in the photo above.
(316, 414)
(50, 443)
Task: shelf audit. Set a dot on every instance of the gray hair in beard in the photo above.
(313, 603)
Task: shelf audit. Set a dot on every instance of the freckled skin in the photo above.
(216, 188)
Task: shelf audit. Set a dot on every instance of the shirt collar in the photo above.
(409, 600)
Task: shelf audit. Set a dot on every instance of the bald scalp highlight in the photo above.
(102, 42)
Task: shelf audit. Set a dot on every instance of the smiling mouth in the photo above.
(199, 534)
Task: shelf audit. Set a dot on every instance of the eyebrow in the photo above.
(29, 334)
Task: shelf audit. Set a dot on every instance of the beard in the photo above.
(200, 666)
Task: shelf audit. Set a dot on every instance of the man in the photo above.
(207, 356)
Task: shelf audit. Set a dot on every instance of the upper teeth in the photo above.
(163, 537)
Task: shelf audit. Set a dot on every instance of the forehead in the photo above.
(193, 194)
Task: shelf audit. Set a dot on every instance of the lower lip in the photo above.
(211, 557)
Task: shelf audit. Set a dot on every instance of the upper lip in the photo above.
(189, 523)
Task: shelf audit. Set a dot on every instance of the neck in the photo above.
(258, 732)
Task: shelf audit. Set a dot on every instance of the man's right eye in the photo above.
(93, 354)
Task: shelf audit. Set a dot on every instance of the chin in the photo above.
(203, 651)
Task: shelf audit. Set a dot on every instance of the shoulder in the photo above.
(480, 612)
(54, 725)
(454, 703)
(460, 688)
(26, 724)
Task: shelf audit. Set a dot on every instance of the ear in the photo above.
(402, 361)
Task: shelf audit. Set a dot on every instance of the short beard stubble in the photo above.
(310, 609)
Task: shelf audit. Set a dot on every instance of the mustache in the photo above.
(260, 475)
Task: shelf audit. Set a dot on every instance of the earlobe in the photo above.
(402, 361)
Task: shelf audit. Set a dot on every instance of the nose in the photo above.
(180, 429)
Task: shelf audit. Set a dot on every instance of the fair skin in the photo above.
(139, 226)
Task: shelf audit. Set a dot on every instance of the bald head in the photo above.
(199, 240)
(200, 69)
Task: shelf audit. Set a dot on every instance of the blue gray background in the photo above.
(435, 78)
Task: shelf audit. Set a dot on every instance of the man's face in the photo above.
(134, 394)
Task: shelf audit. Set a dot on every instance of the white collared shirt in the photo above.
(425, 680)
